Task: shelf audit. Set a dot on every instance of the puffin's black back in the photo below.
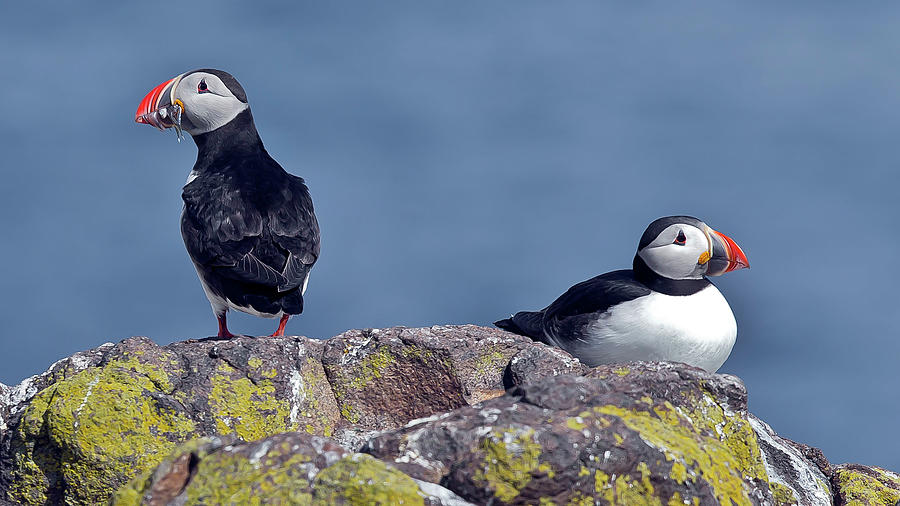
(247, 224)
(570, 315)
(576, 307)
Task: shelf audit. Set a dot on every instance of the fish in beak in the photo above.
(726, 255)
(161, 109)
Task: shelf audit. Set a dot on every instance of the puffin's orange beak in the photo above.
(727, 255)
(152, 102)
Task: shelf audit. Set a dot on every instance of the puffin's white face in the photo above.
(686, 248)
(208, 103)
(677, 252)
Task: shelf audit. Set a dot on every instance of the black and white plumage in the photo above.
(663, 309)
(248, 225)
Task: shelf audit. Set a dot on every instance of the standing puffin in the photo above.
(662, 309)
(249, 226)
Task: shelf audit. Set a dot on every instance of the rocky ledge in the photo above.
(446, 415)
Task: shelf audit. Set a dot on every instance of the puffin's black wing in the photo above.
(565, 318)
(596, 295)
(252, 222)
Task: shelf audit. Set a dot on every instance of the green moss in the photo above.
(350, 413)
(417, 352)
(629, 491)
(719, 448)
(782, 494)
(355, 378)
(731, 430)
(859, 488)
(887, 476)
(252, 411)
(129, 495)
(625, 489)
(577, 499)
(823, 486)
(547, 469)
(576, 423)
(679, 472)
(231, 478)
(371, 367)
(93, 431)
(490, 363)
(132, 494)
(367, 370)
(603, 487)
(677, 500)
(736, 433)
(31, 480)
(511, 458)
(702, 455)
(363, 480)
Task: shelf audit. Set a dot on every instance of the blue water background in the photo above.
(471, 159)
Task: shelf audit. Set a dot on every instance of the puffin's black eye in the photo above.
(201, 88)
(680, 240)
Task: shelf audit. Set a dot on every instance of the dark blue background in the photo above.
(470, 160)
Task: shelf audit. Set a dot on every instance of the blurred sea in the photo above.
(471, 160)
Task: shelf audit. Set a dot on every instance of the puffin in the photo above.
(248, 225)
(664, 308)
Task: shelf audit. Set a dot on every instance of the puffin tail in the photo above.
(292, 303)
(526, 323)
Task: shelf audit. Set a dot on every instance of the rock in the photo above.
(4, 407)
(72, 434)
(812, 454)
(856, 485)
(573, 439)
(798, 474)
(13, 399)
(115, 411)
(290, 468)
(540, 361)
(444, 415)
(371, 370)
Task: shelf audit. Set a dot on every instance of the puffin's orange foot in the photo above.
(223, 327)
(279, 332)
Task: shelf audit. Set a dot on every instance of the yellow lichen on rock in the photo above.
(96, 429)
(702, 457)
(511, 457)
(362, 480)
(250, 410)
(867, 486)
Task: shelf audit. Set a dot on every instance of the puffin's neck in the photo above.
(668, 286)
(235, 138)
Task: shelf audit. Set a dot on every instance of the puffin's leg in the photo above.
(223, 327)
(280, 332)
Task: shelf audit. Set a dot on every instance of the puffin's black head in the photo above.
(683, 247)
(202, 100)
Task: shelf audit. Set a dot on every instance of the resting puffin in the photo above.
(663, 309)
(249, 226)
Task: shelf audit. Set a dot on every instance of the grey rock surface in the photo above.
(442, 415)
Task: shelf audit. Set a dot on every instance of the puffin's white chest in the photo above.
(697, 329)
